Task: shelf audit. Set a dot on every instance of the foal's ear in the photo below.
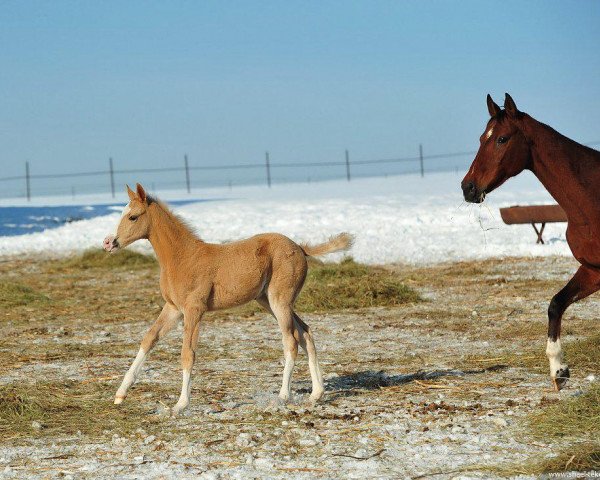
(141, 192)
(492, 107)
(130, 193)
(511, 107)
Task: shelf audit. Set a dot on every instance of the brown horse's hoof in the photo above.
(561, 378)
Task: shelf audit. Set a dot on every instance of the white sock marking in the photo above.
(130, 376)
(554, 353)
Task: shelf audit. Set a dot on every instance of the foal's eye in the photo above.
(133, 218)
(502, 139)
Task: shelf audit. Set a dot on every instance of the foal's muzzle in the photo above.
(471, 193)
(110, 243)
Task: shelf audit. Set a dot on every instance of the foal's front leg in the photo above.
(167, 319)
(191, 331)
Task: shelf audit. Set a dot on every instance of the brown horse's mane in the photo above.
(176, 219)
(502, 116)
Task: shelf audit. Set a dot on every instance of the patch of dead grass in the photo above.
(351, 285)
(575, 423)
(14, 294)
(67, 408)
(99, 259)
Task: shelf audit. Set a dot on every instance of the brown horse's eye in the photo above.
(502, 139)
(133, 218)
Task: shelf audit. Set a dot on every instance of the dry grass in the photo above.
(14, 294)
(575, 423)
(99, 259)
(350, 285)
(584, 354)
(66, 408)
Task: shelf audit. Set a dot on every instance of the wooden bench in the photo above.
(534, 214)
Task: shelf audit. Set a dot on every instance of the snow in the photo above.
(395, 219)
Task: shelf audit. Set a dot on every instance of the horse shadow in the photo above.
(353, 383)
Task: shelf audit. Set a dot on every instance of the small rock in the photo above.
(36, 425)
(361, 453)
(457, 429)
(591, 378)
(139, 460)
(474, 313)
(306, 442)
(244, 440)
(104, 333)
(500, 422)
(149, 439)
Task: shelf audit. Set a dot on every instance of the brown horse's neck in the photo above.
(171, 239)
(568, 170)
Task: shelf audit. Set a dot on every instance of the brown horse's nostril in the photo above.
(471, 192)
(468, 187)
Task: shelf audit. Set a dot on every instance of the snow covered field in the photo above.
(395, 219)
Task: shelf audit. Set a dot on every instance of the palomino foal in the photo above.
(197, 277)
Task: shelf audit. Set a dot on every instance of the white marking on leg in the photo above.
(286, 386)
(186, 389)
(554, 353)
(317, 378)
(130, 376)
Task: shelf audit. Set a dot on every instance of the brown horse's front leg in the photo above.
(585, 282)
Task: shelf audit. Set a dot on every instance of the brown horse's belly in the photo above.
(584, 242)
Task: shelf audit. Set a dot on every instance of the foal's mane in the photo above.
(176, 219)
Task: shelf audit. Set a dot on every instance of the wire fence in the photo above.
(265, 172)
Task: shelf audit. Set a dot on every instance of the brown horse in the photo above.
(198, 277)
(512, 142)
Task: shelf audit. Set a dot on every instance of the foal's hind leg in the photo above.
(585, 282)
(164, 323)
(285, 317)
(303, 336)
(308, 345)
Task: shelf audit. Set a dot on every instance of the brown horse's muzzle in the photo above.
(471, 193)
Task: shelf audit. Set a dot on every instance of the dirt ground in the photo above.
(433, 388)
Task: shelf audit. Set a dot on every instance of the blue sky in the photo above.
(146, 82)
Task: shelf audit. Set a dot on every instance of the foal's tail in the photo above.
(340, 242)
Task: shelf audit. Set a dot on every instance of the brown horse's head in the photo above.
(134, 223)
(503, 152)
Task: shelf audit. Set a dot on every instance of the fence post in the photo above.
(268, 164)
(421, 159)
(347, 165)
(28, 186)
(187, 173)
(112, 177)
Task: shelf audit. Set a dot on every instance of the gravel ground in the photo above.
(431, 389)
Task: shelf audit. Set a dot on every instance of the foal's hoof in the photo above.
(560, 380)
(315, 398)
(178, 410)
(119, 399)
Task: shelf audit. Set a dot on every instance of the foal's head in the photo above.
(503, 152)
(134, 223)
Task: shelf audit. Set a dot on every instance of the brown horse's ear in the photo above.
(492, 107)
(141, 192)
(511, 107)
(130, 192)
